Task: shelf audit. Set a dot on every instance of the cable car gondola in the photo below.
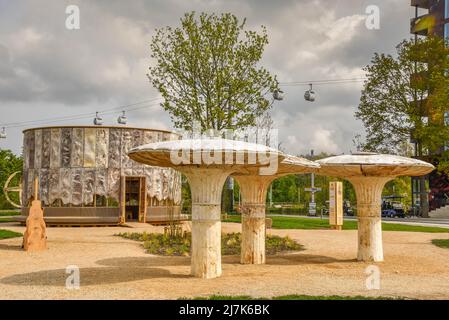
(3, 133)
(122, 119)
(309, 95)
(98, 121)
(278, 95)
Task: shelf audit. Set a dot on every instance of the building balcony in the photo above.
(423, 4)
(423, 25)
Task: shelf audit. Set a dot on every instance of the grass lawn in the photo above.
(6, 234)
(6, 219)
(442, 243)
(296, 297)
(9, 213)
(311, 223)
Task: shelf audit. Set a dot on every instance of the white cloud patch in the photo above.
(323, 140)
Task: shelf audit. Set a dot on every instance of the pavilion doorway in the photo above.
(134, 206)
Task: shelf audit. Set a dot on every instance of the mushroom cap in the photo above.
(207, 153)
(290, 165)
(373, 164)
(293, 164)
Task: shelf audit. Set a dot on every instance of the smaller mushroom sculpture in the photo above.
(368, 173)
(253, 188)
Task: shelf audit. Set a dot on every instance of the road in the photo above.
(431, 222)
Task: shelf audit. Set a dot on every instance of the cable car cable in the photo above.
(77, 116)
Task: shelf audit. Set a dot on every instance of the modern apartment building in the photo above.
(432, 18)
(435, 19)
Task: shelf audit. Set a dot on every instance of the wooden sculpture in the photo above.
(35, 237)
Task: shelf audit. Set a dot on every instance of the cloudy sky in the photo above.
(48, 71)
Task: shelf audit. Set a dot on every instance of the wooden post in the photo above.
(36, 188)
(142, 199)
(336, 205)
(206, 186)
(122, 199)
(254, 192)
(369, 191)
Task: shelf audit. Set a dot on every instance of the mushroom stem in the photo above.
(206, 186)
(369, 193)
(254, 191)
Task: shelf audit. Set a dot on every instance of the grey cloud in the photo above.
(104, 63)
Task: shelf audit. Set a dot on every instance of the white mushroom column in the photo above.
(368, 173)
(254, 191)
(369, 193)
(206, 186)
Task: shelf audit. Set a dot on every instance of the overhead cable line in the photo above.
(323, 82)
(137, 106)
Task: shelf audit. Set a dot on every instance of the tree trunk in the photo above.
(228, 196)
(423, 197)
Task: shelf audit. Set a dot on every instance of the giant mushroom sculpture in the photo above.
(368, 173)
(253, 188)
(207, 163)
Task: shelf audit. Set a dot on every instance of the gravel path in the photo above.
(116, 268)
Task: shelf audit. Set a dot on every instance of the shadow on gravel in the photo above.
(10, 247)
(145, 262)
(88, 276)
(302, 259)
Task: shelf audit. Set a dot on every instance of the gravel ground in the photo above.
(116, 268)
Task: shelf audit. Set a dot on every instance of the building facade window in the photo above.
(446, 11)
(446, 30)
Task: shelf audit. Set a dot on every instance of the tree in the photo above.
(9, 163)
(406, 97)
(207, 71)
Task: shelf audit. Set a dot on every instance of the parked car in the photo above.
(392, 207)
(347, 209)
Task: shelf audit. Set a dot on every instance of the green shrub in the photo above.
(442, 243)
(5, 234)
(161, 244)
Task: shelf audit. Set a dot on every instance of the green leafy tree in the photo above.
(9, 163)
(399, 187)
(407, 97)
(208, 71)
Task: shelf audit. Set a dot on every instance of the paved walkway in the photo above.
(429, 222)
